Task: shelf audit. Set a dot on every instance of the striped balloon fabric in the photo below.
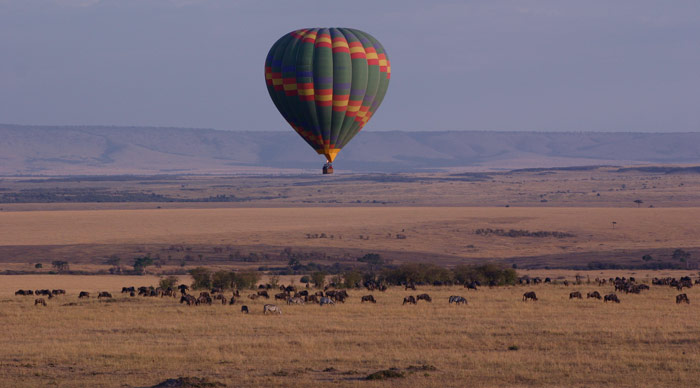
(327, 83)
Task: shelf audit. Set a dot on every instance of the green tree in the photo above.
(38, 266)
(140, 264)
(201, 278)
(246, 280)
(60, 266)
(222, 279)
(318, 279)
(168, 282)
(352, 278)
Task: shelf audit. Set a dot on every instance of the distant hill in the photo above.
(100, 150)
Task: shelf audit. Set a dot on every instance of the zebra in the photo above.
(271, 308)
(295, 300)
(326, 300)
(456, 299)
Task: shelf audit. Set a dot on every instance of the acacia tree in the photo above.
(60, 266)
(638, 202)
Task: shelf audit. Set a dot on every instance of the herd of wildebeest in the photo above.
(328, 296)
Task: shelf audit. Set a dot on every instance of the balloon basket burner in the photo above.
(328, 169)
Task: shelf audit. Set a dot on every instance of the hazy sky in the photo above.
(478, 65)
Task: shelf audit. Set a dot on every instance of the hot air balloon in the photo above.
(327, 83)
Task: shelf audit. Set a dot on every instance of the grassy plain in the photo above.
(645, 341)
(444, 234)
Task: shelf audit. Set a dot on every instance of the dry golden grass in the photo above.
(434, 230)
(645, 341)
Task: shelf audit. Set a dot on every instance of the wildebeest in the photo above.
(232, 300)
(264, 294)
(280, 296)
(40, 301)
(221, 298)
(575, 294)
(132, 294)
(470, 286)
(682, 298)
(58, 292)
(128, 290)
(410, 285)
(253, 296)
(368, 298)
(24, 292)
(244, 309)
(530, 295)
(326, 300)
(409, 299)
(594, 294)
(424, 297)
(183, 288)
(312, 299)
(189, 299)
(295, 300)
(104, 294)
(456, 299)
(271, 308)
(205, 299)
(611, 298)
(84, 294)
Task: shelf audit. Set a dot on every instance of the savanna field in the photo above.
(494, 340)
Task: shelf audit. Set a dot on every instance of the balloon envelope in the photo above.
(327, 83)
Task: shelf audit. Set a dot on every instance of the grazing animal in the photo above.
(244, 309)
(189, 299)
(132, 294)
(253, 296)
(295, 300)
(529, 296)
(104, 294)
(183, 288)
(264, 294)
(232, 300)
(40, 301)
(271, 308)
(280, 296)
(611, 298)
(456, 299)
(411, 286)
(410, 300)
(682, 298)
(594, 294)
(24, 292)
(424, 297)
(312, 299)
(368, 298)
(575, 294)
(326, 300)
(471, 286)
(128, 290)
(205, 299)
(84, 294)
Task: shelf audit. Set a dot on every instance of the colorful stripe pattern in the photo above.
(327, 83)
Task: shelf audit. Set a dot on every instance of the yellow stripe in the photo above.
(340, 44)
(382, 62)
(277, 81)
(353, 108)
(324, 97)
(290, 87)
(356, 49)
(340, 103)
(306, 92)
(324, 39)
(372, 56)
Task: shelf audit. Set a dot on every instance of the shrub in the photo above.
(305, 279)
(201, 278)
(318, 279)
(222, 279)
(168, 282)
(244, 280)
(352, 279)
(385, 374)
(38, 266)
